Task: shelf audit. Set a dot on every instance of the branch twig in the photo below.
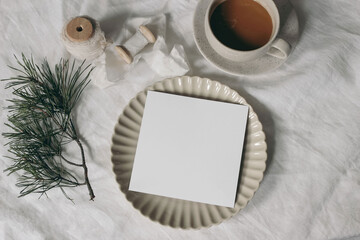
(91, 192)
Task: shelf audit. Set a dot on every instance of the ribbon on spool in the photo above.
(135, 44)
(83, 38)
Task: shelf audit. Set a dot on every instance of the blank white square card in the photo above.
(190, 149)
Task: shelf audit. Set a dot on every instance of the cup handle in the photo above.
(280, 49)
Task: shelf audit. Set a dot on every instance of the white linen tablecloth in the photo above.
(310, 110)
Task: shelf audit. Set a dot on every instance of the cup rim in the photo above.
(235, 51)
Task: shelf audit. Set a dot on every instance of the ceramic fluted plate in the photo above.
(175, 212)
(289, 31)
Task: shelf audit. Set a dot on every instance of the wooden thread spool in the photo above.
(83, 38)
(79, 29)
(135, 44)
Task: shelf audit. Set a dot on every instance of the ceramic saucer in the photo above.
(289, 31)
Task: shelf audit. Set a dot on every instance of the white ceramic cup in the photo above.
(275, 47)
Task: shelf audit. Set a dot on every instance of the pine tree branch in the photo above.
(41, 124)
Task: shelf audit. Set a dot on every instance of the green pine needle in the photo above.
(40, 119)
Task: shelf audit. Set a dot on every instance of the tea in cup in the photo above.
(244, 30)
